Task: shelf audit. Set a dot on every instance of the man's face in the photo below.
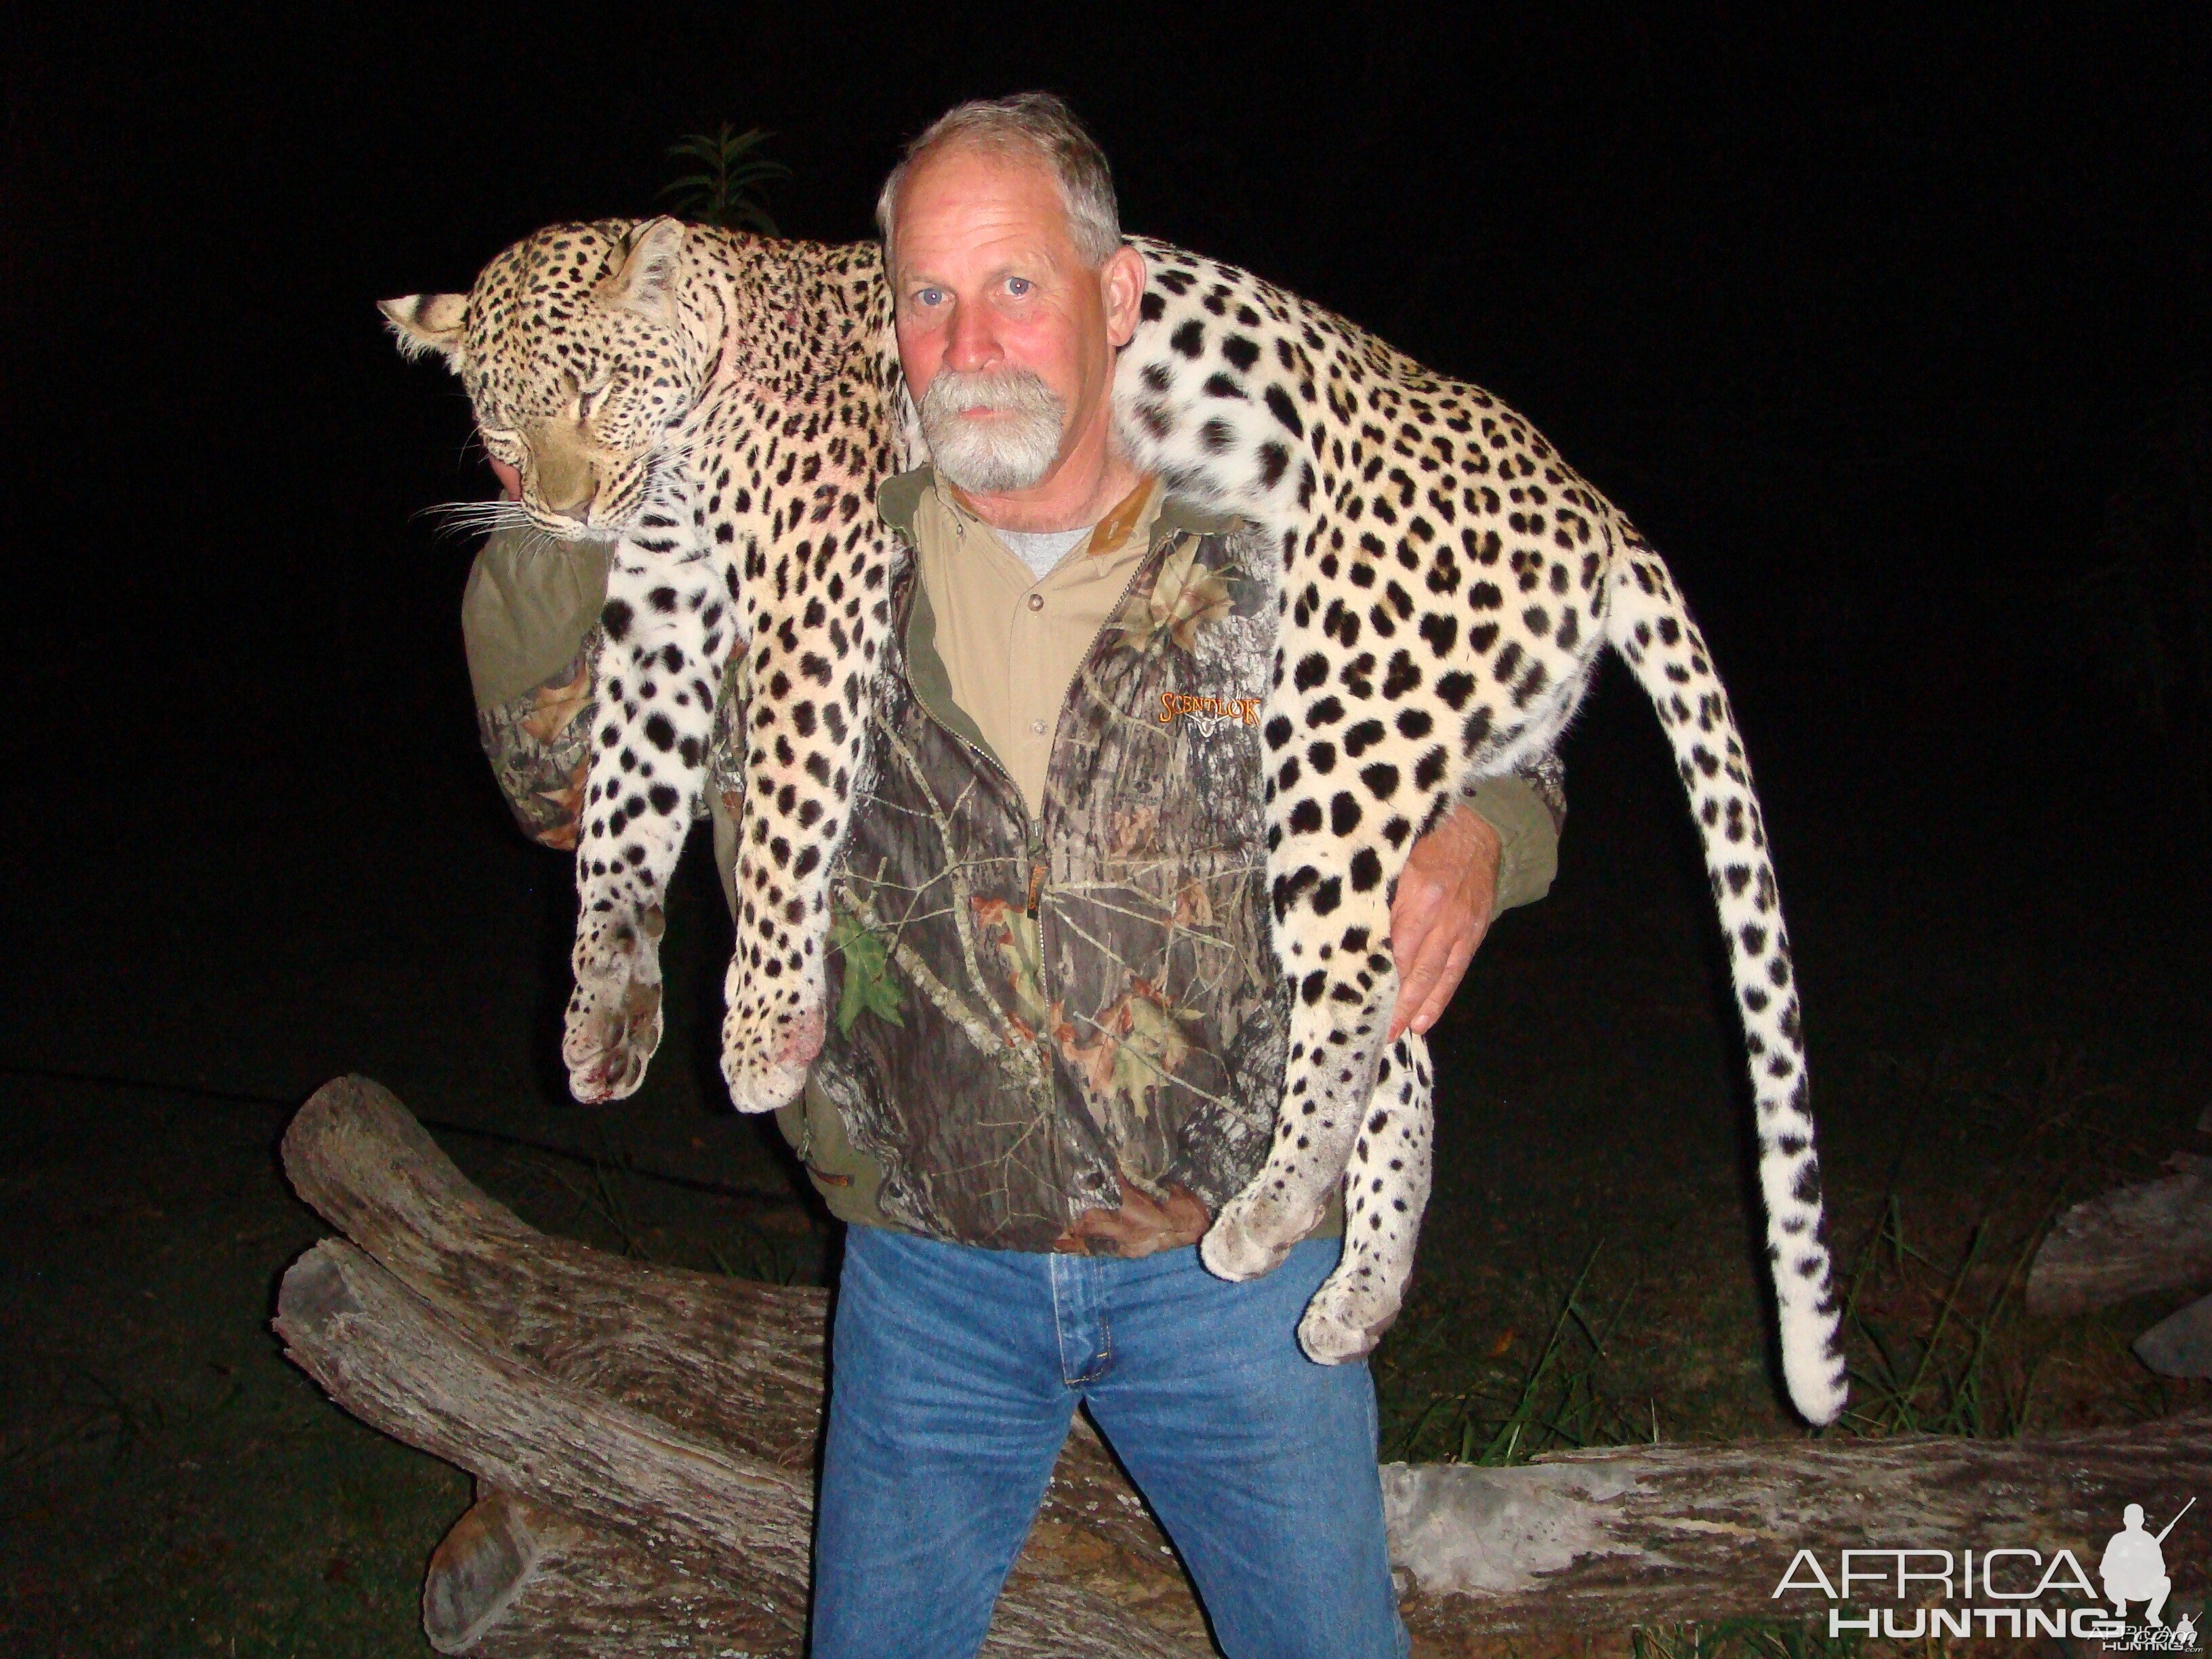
(1006, 338)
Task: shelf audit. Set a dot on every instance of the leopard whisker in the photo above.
(473, 518)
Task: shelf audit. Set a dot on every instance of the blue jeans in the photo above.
(954, 1373)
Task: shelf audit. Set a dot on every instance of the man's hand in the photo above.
(1441, 912)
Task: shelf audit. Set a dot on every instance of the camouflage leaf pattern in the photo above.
(869, 987)
(539, 746)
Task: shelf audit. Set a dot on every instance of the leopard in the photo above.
(722, 407)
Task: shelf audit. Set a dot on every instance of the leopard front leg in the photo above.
(1386, 1186)
(613, 1022)
(814, 637)
(666, 627)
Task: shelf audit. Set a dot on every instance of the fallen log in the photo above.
(2154, 1235)
(514, 1580)
(523, 1358)
(2180, 1345)
(1661, 1534)
(1593, 1543)
(644, 1437)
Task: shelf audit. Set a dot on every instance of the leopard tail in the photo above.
(1648, 623)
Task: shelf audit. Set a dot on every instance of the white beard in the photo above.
(991, 458)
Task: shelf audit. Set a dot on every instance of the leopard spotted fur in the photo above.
(723, 409)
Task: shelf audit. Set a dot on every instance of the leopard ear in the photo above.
(427, 322)
(646, 281)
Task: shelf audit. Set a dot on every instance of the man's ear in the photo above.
(646, 281)
(1122, 281)
(428, 322)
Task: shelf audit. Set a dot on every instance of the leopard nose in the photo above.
(566, 480)
(571, 496)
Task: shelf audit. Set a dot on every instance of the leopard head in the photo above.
(578, 362)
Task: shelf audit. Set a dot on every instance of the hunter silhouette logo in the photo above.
(1207, 713)
(2134, 1567)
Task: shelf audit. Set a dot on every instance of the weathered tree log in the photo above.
(2156, 1235)
(1654, 1533)
(398, 1364)
(644, 1439)
(679, 1409)
(514, 1580)
(1588, 1543)
(2180, 1345)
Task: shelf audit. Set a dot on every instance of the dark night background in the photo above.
(1888, 326)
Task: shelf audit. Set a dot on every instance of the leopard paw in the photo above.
(1249, 1237)
(766, 1068)
(614, 1013)
(1343, 1322)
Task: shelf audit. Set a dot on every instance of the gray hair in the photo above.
(1037, 126)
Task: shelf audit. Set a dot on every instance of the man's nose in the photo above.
(970, 342)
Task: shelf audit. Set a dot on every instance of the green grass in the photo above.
(1932, 1265)
(1556, 1402)
(1942, 1378)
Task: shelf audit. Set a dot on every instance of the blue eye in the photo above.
(1018, 286)
(930, 296)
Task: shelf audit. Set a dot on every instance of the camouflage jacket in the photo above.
(1032, 1017)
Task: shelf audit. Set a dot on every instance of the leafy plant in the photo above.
(728, 187)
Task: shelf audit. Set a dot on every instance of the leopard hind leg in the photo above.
(1386, 1187)
(1344, 990)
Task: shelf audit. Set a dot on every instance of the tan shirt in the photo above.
(1010, 641)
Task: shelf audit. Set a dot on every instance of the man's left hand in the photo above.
(1441, 912)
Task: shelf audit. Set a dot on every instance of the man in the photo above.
(1059, 1032)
